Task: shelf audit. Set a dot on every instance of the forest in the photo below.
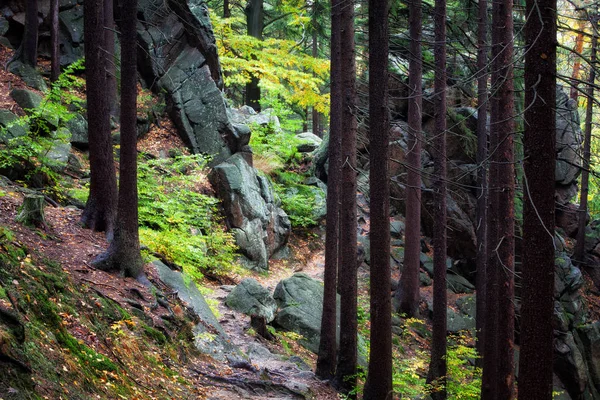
(283, 199)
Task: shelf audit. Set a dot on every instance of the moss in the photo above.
(86, 355)
(154, 334)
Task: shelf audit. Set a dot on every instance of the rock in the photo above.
(258, 352)
(9, 120)
(397, 229)
(78, 127)
(31, 76)
(248, 116)
(309, 142)
(569, 365)
(458, 284)
(59, 154)
(26, 99)
(567, 218)
(569, 139)
(467, 305)
(210, 338)
(250, 298)
(300, 300)
(259, 225)
(456, 321)
(589, 335)
(320, 159)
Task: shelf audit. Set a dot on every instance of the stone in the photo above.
(300, 301)
(248, 116)
(569, 139)
(78, 126)
(467, 305)
(26, 99)
(30, 75)
(59, 154)
(250, 298)
(210, 338)
(397, 229)
(258, 352)
(589, 335)
(459, 284)
(14, 129)
(308, 142)
(260, 227)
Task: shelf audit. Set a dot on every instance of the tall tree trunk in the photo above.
(502, 82)
(347, 357)
(379, 378)
(123, 253)
(30, 39)
(482, 184)
(255, 24)
(316, 118)
(111, 57)
(438, 367)
(579, 255)
(537, 306)
(326, 360)
(226, 9)
(407, 294)
(100, 209)
(54, 45)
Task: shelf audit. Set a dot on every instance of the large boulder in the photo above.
(300, 300)
(9, 126)
(179, 58)
(569, 139)
(251, 298)
(260, 226)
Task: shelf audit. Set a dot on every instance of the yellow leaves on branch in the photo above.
(281, 65)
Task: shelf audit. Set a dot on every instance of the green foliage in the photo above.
(178, 220)
(283, 69)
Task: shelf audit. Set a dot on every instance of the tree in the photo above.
(438, 367)
(255, 22)
(123, 253)
(111, 60)
(100, 209)
(482, 154)
(326, 360)
(347, 357)
(537, 306)
(54, 45)
(407, 293)
(379, 378)
(585, 174)
(498, 379)
(30, 39)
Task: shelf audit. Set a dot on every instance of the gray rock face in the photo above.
(300, 300)
(211, 339)
(259, 225)
(78, 127)
(13, 130)
(250, 298)
(26, 99)
(30, 75)
(248, 116)
(309, 142)
(180, 59)
(568, 139)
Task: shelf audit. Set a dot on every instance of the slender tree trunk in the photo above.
(502, 81)
(326, 360)
(482, 184)
(379, 378)
(255, 22)
(438, 367)
(226, 9)
(347, 357)
(407, 293)
(123, 253)
(111, 57)
(54, 44)
(316, 118)
(537, 306)
(100, 209)
(30, 39)
(579, 255)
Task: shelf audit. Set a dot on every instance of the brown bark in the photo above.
(123, 253)
(30, 39)
(326, 360)
(438, 367)
(379, 378)
(578, 254)
(255, 24)
(347, 356)
(111, 57)
(407, 293)
(54, 45)
(100, 209)
(537, 306)
(482, 183)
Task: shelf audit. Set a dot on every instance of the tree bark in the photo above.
(31, 212)
(30, 39)
(54, 42)
(111, 57)
(407, 293)
(347, 358)
(482, 164)
(326, 361)
(379, 378)
(255, 24)
(578, 254)
(437, 367)
(537, 306)
(100, 209)
(123, 253)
